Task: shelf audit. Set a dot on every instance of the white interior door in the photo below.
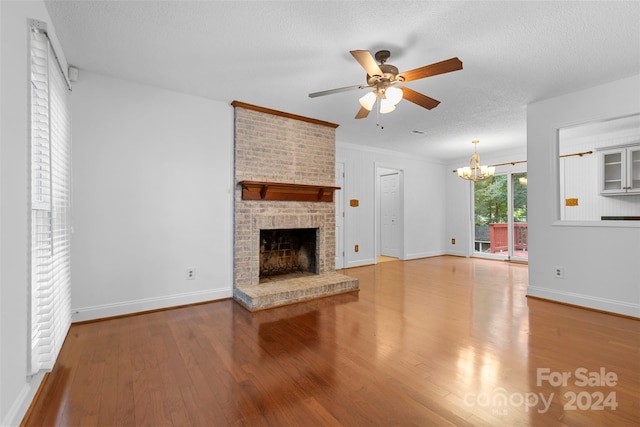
(389, 211)
(338, 198)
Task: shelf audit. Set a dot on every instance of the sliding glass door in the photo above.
(500, 217)
(520, 229)
(491, 217)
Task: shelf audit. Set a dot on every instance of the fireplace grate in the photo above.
(286, 251)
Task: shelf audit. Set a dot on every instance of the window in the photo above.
(50, 204)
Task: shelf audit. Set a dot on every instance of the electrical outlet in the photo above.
(191, 273)
(453, 241)
(357, 248)
(558, 272)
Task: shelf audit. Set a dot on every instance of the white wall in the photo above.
(600, 259)
(423, 203)
(458, 208)
(16, 391)
(153, 195)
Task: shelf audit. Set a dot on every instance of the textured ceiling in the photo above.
(274, 53)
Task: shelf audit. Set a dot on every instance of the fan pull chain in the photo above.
(378, 116)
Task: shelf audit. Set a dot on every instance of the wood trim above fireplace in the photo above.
(282, 114)
(257, 190)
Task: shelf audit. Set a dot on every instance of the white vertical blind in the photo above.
(50, 302)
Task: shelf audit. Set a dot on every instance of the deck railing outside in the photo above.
(499, 237)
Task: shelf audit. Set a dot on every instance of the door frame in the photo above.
(510, 248)
(382, 169)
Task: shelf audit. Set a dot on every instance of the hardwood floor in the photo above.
(435, 341)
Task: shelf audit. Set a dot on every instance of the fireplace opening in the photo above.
(288, 251)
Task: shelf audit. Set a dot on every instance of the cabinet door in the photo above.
(613, 172)
(633, 170)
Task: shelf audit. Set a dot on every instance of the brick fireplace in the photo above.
(284, 174)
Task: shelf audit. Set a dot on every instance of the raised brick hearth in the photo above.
(282, 148)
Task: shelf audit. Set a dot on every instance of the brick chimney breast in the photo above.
(272, 146)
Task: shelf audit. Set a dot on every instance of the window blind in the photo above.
(50, 260)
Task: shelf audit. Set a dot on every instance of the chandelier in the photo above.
(475, 172)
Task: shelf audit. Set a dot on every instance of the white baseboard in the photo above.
(458, 253)
(360, 263)
(418, 255)
(408, 257)
(22, 402)
(588, 301)
(81, 314)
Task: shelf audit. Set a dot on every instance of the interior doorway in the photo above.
(390, 213)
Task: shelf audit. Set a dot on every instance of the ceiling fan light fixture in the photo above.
(388, 109)
(368, 100)
(386, 106)
(381, 76)
(393, 95)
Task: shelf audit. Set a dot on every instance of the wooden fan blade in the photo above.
(362, 113)
(340, 89)
(418, 98)
(366, 60)
(446, 66)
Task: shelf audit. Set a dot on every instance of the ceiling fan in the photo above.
(383, 77)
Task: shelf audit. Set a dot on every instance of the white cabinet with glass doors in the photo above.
(620, 171)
